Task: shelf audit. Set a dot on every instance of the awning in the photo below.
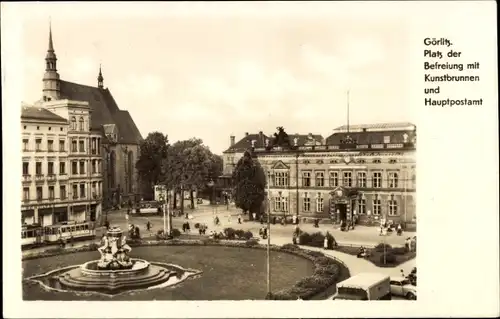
(79, 208)
(28, 213)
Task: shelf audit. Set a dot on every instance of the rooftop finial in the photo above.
(51, 45)
(100, 78)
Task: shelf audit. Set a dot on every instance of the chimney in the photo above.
(246, 134)
(310, 136)
(261, 135)
(232, 140)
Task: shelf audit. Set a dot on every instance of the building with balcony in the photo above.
(104, 141)
(366, 171)
(48, 185)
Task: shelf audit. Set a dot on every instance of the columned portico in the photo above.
(342, 203)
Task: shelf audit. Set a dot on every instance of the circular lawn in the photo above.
(229, 273)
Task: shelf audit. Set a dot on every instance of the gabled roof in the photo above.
(37, 113)
(376, 127)
(104, 110)
(246, 142)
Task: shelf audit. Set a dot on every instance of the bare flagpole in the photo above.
(348, 111)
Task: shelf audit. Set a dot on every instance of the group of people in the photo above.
(389, 227)
(263, 232)
(411, 244)
(186, 227)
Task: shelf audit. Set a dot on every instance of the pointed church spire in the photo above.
(51, 82)
(100, 78)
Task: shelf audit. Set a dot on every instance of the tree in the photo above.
(249, 182)
(153, 153)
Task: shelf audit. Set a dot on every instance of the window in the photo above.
(62, 168)
(376, 205)
(82, 190)
(393, 180)
(81, 145)
(307, 203)
(320, 179)
(377, 179)
(393, 206)
(73, 123)
(281, 178)
(280, 203)
(362, 206)
(51, 192)
(82, 167)
(387, 139)
(74, 168)
(99, 149)
(347, 179)
(94, 190)
(26, 193)
(94, 166)
(25, 144)
(334, 179)
(319, 203)
(82, 128)
(75, 191)
(61, 146)
(94, 146)
(50, 145)
(73, 146)
(62, 191)
(306, 179)
(362, 179)
(39, 193)
(38, 168)
(38, 144)
(50, 168)
(26, 168)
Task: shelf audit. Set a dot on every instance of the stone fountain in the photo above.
(114, 272)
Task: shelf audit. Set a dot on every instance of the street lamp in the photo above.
(212, 184)
(269, 235)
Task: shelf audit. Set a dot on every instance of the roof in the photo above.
(38, 113)
(362, 280)
(374, 137)
(306, 139)
(246, 143)
(104, 110)
(376, 126)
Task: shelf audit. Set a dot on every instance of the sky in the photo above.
(214, 70)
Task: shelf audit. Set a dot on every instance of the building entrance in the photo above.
(341, 209)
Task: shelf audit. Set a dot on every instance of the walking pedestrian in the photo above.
(239, 219)
(148, 225)
(325, 243)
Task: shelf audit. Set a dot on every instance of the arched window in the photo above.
(73, 123)
(130, 172)
(111, 169)
(81, 124)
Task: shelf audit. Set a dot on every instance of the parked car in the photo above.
(401, 286)
(364, 286)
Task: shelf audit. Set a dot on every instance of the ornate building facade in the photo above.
(62, 178)
(113, 139)
(366, 171)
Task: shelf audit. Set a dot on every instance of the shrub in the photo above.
(315, 254)
(54, 250)
(380, 247)
(317, 239)
(197, 225)
(323, 261)
(252, 242)
(229, 233)
(311, 282)
(331, 240)
(389, 258)
(176, 232)
(93, 246)
(248, 235)
(305, 239)
(240, 233)
(327, 271)
(398, 250)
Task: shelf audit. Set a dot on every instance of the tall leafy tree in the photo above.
(153, 153)
(249, 183)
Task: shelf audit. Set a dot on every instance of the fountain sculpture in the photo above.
(115, 271)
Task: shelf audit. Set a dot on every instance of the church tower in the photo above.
(100, 79)
(51, 84)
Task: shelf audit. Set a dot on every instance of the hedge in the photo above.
(326, 270)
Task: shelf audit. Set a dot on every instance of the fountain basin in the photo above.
(88, 277)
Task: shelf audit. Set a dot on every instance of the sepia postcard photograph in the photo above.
(259, 156)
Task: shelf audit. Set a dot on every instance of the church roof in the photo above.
(37, 113)
(246, 142)
(104, 110)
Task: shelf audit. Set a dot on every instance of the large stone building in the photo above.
(365, 170)
(115, 136)
(61, 167)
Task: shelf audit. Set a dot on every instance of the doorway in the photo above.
(342, 211)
